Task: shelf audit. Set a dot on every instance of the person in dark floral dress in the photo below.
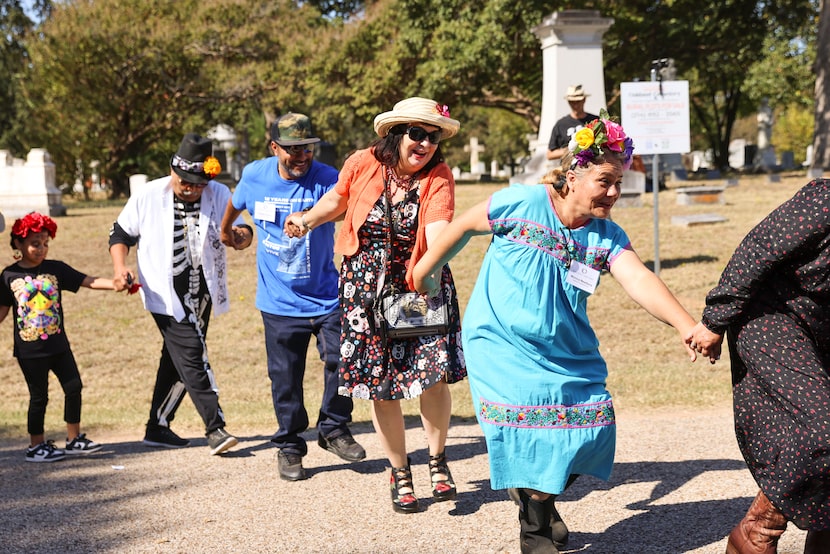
(773, 304)
(401, 174)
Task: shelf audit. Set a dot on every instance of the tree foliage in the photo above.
(140, 74)
(120, 82)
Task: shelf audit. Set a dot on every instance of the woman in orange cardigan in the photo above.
(402, 180)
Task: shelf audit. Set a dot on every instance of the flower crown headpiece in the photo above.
(599, 137)
(34, 223)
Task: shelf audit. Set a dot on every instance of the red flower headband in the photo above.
(34, 223)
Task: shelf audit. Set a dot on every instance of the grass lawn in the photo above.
(117, 344)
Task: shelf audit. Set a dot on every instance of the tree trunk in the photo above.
(821, 134)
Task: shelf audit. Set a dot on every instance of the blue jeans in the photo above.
(286, 345)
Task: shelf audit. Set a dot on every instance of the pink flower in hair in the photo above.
(444, 110)
(615, 134)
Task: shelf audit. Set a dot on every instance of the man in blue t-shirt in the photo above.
(296, 289)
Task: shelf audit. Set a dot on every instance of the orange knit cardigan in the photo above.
(361, 182)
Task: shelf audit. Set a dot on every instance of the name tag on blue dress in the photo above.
(583, 277)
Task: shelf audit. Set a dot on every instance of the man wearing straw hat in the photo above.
(567, 126)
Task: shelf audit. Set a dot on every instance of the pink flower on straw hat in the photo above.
(443, 110)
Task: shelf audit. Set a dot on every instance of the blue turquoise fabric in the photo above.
(536, 374)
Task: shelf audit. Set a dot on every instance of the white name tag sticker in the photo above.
(583, 277)
(265, 211)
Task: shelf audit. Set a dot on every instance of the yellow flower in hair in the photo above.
(584, 137)
(212, 167)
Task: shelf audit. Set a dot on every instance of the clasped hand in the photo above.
(294, 227)
(702, 340)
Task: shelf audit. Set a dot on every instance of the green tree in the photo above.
(120, 83)
(15, 28)
(713, 45)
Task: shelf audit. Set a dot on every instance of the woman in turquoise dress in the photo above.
(536, 374)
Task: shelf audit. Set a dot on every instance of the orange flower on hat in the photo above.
(212, 167)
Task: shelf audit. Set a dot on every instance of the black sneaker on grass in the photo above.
(220, 440)
(44, 452)
(82, 445)
(163, 437)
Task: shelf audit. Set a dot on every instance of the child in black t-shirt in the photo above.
(33, 286)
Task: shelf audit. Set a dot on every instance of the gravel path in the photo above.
(679, 485)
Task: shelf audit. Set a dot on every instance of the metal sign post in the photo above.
(656, 117)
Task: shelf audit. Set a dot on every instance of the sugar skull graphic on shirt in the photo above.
(38, 307)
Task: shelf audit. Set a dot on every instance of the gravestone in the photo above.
(787, 160)
(737, 153)
(632, 189)
(693, 220)
(29, 185)
(474, 148)
(137, 181)
(687, 196)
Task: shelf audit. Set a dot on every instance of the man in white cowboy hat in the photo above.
(567, 126)
(182, 271)
(297, 291)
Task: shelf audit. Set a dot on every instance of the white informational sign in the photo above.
(655, 114)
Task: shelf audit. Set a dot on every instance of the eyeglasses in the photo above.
(298, 149)
(194, 185)
(418, 134)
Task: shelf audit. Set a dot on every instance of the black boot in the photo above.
(534, 519)
(559, 531)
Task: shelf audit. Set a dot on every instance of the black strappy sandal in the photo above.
(442, 489)
(403, 492)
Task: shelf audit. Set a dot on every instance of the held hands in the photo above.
(702, 340)
(124, 280)
(294, 227)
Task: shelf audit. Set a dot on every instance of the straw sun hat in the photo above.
(421, 110)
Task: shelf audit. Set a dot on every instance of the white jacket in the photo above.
(148, 216)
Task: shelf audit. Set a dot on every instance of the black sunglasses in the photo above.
(418, 134)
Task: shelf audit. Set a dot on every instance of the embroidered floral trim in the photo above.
(597, 414)
(556, 244)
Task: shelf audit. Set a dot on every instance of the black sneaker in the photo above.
(220, 440)
(290, 466)
(82, 445)
(344, 446)
(163, 437)
(44, 452)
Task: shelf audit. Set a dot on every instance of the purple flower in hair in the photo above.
(629, 152)
(583, 157)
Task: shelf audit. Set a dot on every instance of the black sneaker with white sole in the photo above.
(163, 437)
(44, 452)
(81, 445)
(219, 441)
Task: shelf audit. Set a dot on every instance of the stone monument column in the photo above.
(571, 42)
(30, 185)
(571, 55)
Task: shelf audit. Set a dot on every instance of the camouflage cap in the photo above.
(292, 129)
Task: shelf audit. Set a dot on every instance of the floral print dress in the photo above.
(773, 301)
(404, 368)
